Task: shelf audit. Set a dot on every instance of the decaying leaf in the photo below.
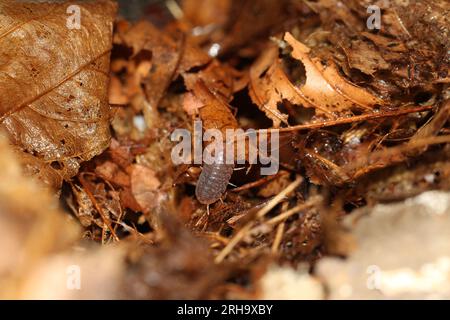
(144, 186)
(155, 60)
(408, 54)
(262, 90)
(324, 89)
(53, 93)
(214, 112)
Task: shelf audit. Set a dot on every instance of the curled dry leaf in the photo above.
(53, 97)
(324, 89)
(262, 75)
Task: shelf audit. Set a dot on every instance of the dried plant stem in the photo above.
(363, 117)
(233, 242)
(261, 213)
(259, 182)
(286, 214)
(330, 123)
(283, 216)
(97, 206)
(279, 197)
(213, 236)
(381, 155)
(278, 238)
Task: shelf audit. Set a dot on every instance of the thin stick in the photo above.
(353, 119)
(213, 236)
(392, 151)
(259, 182)
(233, 242)
(283, 216)
(174, 9)
(278, 238)
(269, 206)
(279, 197)
(330, 123)
(97, 206)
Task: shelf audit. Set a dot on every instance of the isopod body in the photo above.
(213, 180)
(215, 114)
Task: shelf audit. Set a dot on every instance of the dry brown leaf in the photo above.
(111, 172)
(254, 18)
(325, 88)
(144, 186)
(261, 89)
(363, 56)
(216, 76)
(215, 113)
(117, 94)
(164, 57)
(53, 97)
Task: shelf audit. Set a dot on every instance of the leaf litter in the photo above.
(362, 116)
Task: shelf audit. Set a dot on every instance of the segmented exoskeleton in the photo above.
(213, 180)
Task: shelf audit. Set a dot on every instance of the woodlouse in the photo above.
(213, 180)
(214, 113)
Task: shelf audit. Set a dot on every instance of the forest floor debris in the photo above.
(362, 117)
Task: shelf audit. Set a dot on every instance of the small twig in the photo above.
(279, 197)
(330, 123)
(392, 151)
(283, 216)
(233, 242)
(286, 214)
(279, 233)
(213, 236)
(261, 213)
(174, 9)
(402, 25)
(259, 182)
(278, 238)
(359, 118)
(121, 213)
(97, 206)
